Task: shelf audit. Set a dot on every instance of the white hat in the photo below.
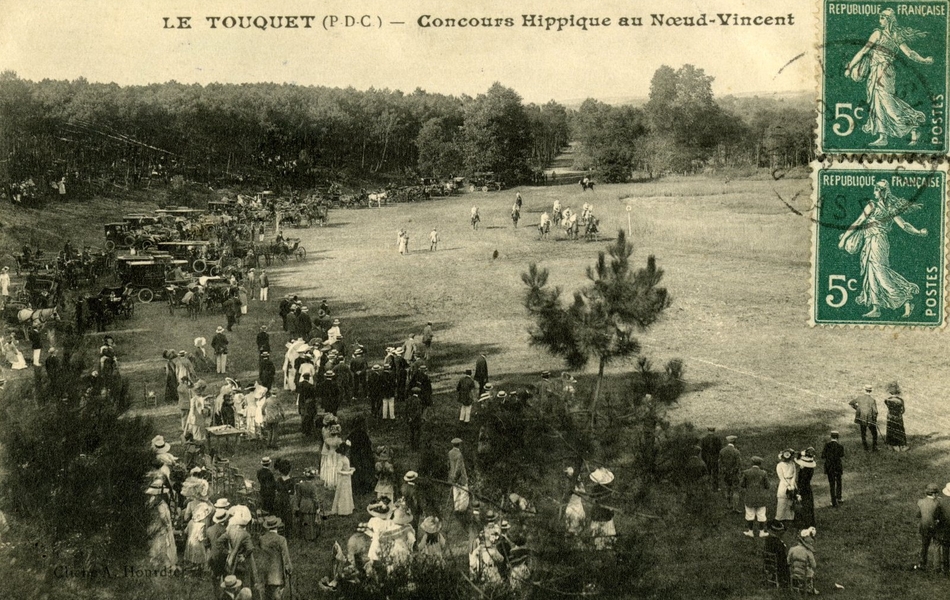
(602, 476)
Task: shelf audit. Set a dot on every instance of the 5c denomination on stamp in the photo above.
(883, 77)
(879, 254)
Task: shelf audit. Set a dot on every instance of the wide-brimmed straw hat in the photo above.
(380, 510)
(272, 522)
(232, 584)
(602, 476)
(431, 525)
(160, 446)
(220, 515)
(155, 488)
(402, 516)
(410, 476)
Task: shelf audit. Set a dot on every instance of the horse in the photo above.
(586, 184)
(544, 229)
(591, 231)
(378, 198)
(38, 317)
(515, 216)
(570, 227)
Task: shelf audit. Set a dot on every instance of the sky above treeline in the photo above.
(385, 45)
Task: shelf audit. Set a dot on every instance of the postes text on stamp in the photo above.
(879, 254)
(883, 77)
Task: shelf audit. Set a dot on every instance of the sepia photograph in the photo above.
(481, 300)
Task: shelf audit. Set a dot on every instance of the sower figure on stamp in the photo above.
(865, 415)
(888, 115)
(881, 286)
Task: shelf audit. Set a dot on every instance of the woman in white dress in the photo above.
(787, 487)
(343, 498)
(329, 457)
(12, 353)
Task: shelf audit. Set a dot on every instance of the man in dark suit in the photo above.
(833, 457)
(268, 483)
(267, 373)
(865, 415)
(729, 466)
(942, 531)
(263, 340)
(481, 373)
(711, 444)
(276, 568)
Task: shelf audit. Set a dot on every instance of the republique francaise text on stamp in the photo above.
(883, 77)
(879, 255)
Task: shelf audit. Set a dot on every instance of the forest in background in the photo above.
(274, 135)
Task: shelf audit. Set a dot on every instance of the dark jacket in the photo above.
(481, 370)
(268, 483)
(832, 455)
(263, 342)
(267, 373)
(755, 482)
(466, 390)
(275, 559)
(729, 461)
(710, 444)
(220, 343)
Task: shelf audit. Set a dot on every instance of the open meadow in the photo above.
(736, 262)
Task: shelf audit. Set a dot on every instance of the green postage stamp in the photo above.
(883, 77)
(879, 244)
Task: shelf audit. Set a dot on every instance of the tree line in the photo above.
(683, 128)
(267, 134)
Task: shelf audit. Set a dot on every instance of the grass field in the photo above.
(737, 266)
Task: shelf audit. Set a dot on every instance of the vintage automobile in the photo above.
(147, 277)
(198, 253)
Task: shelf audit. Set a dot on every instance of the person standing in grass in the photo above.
(265, 285)
(427, 338)
(433, 240)
(942, 531)
(711, 444)
(927, 523)
(895, 436)
(755, 482)
(806, 470)
(833, 457)
(865, 415)
(465, 393)
(787, 491)
(220, 345)
(481, 373)
(729, 466)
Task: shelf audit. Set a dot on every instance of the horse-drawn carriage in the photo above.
(118, 301)
(188, 296)
(281, 251)
(29, 260)
(486, 182)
